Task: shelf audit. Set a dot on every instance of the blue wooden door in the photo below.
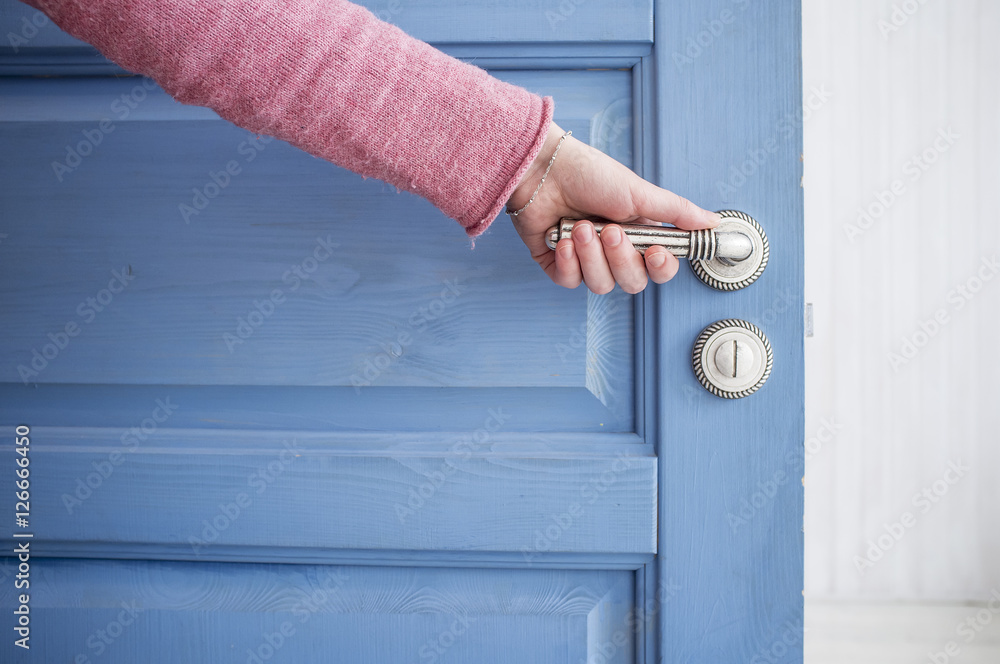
(250, 438)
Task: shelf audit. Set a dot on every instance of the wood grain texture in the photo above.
(282, 278)
(899, 424)
(308, 613)
(573, 416)
(272, 451)
(730, 471)
(197, 490)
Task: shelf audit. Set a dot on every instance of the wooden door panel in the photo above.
(152, 612)
(195, 494)
(505, 428)
(269, 267)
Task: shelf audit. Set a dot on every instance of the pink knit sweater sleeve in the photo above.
(330, 78)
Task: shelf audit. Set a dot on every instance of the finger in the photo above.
(590, 252)
(662, 205)
(625, 262)
(661, 264)
(567, 272)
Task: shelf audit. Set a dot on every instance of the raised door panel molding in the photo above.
(225, 259)
(197, 494)
(167, 612)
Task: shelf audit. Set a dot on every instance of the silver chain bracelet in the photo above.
(544, 175)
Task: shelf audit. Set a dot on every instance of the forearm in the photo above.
(330, 78)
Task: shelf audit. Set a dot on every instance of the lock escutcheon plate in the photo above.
(732, 358)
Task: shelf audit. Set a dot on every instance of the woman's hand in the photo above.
(585, 182)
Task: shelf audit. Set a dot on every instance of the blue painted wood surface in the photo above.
(191, 490)
(731, 472)
(289, 287)
(546, 529)
(168, 612)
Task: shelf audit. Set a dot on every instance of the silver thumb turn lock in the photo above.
(729, 257)
(732, 358)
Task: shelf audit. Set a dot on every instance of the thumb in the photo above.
(658, 204)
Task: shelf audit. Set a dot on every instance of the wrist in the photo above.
(529, 181)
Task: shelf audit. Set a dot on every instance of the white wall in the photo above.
(892, 95)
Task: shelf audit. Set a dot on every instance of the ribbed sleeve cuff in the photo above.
(539, 117)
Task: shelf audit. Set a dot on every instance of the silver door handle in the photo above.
(728, 257)
(694, 245)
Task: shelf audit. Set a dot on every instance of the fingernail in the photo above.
(657, 259)
(586, 233)
(566, 250)
(715, 218)
(612, 236)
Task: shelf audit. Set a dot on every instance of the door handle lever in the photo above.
(728, 257)
(704, 244)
